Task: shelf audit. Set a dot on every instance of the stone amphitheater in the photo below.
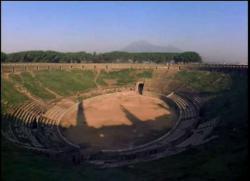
(36, 126)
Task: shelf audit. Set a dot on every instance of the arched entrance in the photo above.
(139, 87)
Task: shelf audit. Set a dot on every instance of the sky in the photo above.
(216, 30)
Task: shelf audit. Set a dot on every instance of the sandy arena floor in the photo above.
(116, 120)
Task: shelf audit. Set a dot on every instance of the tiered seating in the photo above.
(19, 128)
(7, 131)
(18, 118)
(196, 100)
(46, 136)
(200, 134)
(54, 113)
(211, 123)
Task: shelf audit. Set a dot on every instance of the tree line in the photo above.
(109, 57)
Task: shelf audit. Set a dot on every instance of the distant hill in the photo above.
(144, 46)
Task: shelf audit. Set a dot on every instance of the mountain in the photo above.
(144, 46)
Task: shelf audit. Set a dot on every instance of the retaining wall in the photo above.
(19, 67)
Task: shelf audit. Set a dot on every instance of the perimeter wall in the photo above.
(20, 67)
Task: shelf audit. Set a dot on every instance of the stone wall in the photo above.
(19, 67)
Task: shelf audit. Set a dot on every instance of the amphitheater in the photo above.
(50, 128)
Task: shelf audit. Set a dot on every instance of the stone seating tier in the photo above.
(46, 138)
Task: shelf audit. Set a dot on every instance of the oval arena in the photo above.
(116, 127)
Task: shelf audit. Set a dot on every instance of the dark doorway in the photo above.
(140, 88)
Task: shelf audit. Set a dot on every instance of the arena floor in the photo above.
(117, 120)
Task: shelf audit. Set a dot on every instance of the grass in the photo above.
(32, 85)
(9, 95)
(145, 74)
(203, 81)
(123, 77)
(66, 83)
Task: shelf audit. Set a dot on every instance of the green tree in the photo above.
(3, 57)
(115, 57)
(187, 57)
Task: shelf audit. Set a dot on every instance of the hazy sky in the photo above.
(217, 30)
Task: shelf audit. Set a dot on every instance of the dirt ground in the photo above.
(116, 120)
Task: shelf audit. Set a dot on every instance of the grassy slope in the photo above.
(9, 95)
(145, 74)
(123, 77)
(64, 83)
(202, 81)
(221, 159)
(32, 85)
